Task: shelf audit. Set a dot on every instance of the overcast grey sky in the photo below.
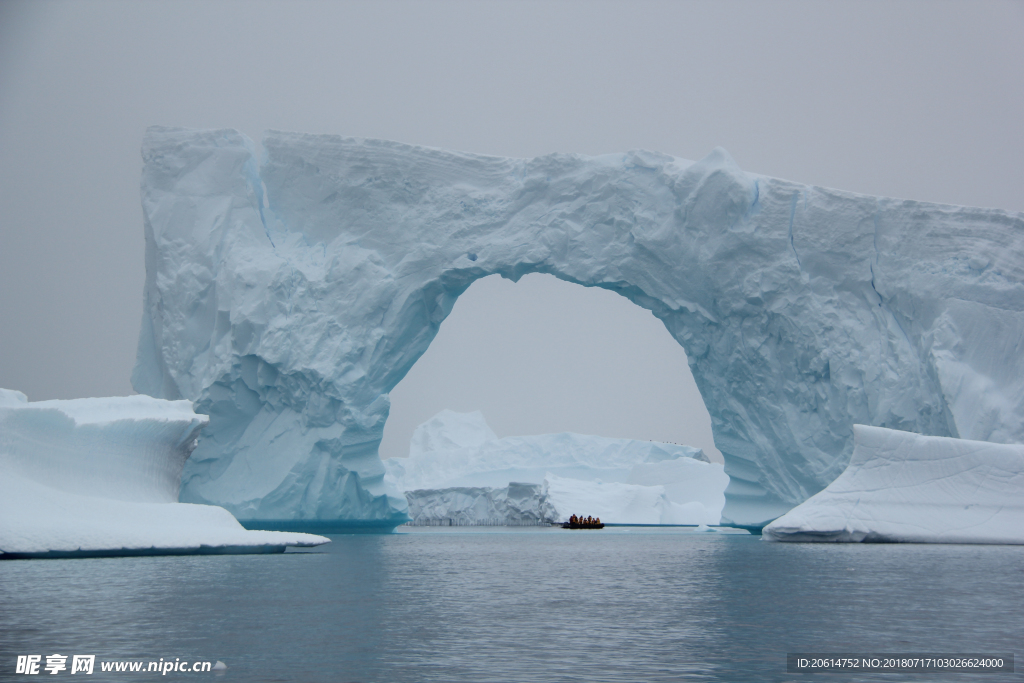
(912, 99)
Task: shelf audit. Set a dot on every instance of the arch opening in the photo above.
(541, 356)
(539, 399)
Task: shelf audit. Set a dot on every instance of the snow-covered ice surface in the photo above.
(459, 469)
(100, 476)
(903, 487)
(287, 299)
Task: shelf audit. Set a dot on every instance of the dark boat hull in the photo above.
(567, 525)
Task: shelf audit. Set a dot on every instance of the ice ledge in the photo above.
(907, 488)
(324, 526)
(100, 478)
(42, 522)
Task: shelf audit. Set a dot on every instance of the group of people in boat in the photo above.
(585, 521)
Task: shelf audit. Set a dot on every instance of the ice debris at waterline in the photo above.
(99, 477)
(458, 469)
(288, 297)
(903, 487)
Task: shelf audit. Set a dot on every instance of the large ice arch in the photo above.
(288, 297)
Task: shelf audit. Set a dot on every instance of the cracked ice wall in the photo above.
(287, 300)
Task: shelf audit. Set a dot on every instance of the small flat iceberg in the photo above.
(907, 488)
(518, 504)
(99, 477)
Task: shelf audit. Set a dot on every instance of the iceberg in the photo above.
(289, 290)
(459, 470)
(909, 488)
(100, 477)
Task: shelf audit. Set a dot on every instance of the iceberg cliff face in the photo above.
(288, 299)
(517, 504)
(129, 448)
(100, 476)
(902, 487)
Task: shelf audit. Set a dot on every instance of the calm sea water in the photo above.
(525, 604)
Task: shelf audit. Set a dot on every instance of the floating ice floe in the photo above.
(903, 487)
(100, 477)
